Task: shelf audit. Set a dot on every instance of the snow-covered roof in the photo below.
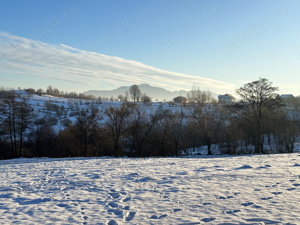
(287, 96)
(228, 95)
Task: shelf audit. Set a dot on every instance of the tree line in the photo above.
(134, 93)
(260, 123)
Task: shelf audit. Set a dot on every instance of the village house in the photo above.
(180, 100)
(287, 96)
(227, 98)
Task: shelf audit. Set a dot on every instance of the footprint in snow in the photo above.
(244, 167)
(296, 185)
(129, 216)
(126, 199)
(64, 206)
(257, 206)
(113, 204)
(206, 203)
(263, 221)
(207, 220)
(291, 189)
(267, 198)
(75, 203)
(176, 210)
(264, 167)
(276, 193)
(114, 195)
(296, 165)
(126, 208)
(117, 212)
(112, 222)
(155, 217)
(83, 212)
(233, 211)
(222, 197)
(247, 204)
(85, 217)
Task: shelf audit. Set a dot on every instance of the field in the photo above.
(252, 189)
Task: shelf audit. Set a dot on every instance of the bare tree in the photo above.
(177, 128)
(121, 98)
(43, 138)
(85, 128)
(126, 97)
(208, 119)
(135, 92)
(117, 123)
(162, 130)
(196, 95)
(284, 130)
(145, 98)
(140, 125)
(17, 114)
(258, 101)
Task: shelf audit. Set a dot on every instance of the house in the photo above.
(288, 99)
(180, 100)
(287, 96)
(227, 98)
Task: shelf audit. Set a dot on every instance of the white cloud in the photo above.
(27, 57)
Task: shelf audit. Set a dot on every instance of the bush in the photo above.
(66, 122)
(72, 114)
(53, 121)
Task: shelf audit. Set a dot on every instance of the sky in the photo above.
(101, 45)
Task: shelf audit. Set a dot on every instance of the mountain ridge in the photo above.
(156, 93)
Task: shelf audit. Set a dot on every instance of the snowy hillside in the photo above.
(261, 189)
(39, 105)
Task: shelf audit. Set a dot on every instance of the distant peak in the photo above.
(145, 85)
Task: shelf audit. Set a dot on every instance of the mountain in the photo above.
(156, 93)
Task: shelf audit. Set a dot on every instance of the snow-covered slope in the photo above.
(38, 104)
(261, 189)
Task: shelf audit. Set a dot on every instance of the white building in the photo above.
(227, 98)
(287, 96)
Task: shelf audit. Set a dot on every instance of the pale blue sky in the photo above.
(218, 44)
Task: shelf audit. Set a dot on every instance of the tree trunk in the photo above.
(208, 144)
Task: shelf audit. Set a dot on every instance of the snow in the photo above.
(251, 189)
(38, 104)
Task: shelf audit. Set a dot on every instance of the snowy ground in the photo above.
(262, 189)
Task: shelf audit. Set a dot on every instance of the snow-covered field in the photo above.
(252, 189)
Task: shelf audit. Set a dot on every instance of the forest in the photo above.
(261, 122)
